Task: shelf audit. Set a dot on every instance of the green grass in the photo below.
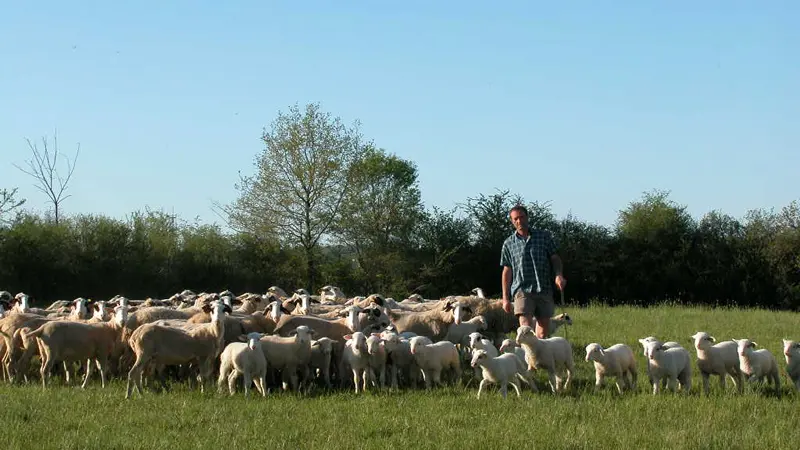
(68, 417)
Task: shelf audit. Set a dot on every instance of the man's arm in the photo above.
(506, 285)
(558, 267)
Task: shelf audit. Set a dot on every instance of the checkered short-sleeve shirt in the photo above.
(520, 254)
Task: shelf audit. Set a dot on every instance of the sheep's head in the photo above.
(301, 291)
(274, 310)
(377, 299)
(460, 310)
(478, 292)
(594, 352)
(745, 346)
(644, 342)
(303, 334)
(253, 340)
(357, 341)
(277, 291)
(23, 301)
(703, 340)
(564, 317)
(418, 342)
(217, 309)
(121, 314)
(324, 344)
(99, 311)
(5, 297)
(79, 307)
(374, 344)
(525, 334)
(416, 298)
(478, 356)
(474, 338)
(791, 350)
(508, 345)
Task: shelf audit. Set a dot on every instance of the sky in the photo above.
(585, 105)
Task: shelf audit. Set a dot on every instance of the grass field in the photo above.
(68, 417)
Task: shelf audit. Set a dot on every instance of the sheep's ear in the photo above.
(713, 339)
(227, 309)
(378, 300)
(243, 338)
(347, 337)
(448, 306)
(602, 352)
(754, 344)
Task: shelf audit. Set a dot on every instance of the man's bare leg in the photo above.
(525, 320)
(542, 326)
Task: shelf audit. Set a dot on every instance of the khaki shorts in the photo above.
(534, 304)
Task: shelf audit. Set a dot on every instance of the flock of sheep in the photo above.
(299, 341)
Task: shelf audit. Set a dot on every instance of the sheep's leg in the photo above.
(619, 382)
(427, 377)
(232, 382)
(516, 388)
(224, 370)
(672, 383)
(656, 385)
(248, 380)
(599, 381)
(723, 383)
(88, 373)
(569, 377)
(356, 379)
(47, 365)
(260, 381)
(135, 376)
(706, 382)
(553, 381)
(480, 387)
(504, 388)
(634, 378)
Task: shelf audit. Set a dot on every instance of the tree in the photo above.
(379, 213)
(301, 178)
(8, 203)
(44, 169)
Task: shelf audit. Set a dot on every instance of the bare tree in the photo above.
(43, 167)
(8, 203)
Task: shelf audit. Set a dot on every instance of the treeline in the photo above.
(656, 251)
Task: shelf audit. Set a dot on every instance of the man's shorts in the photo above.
(534, 304)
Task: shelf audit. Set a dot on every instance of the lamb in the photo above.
(167, 346)
(498, 322)
(717, 359)
(68, 341)
(399, 359)
(511, 346)
(791, 351)
(668, 344)
(757, 364)
(432, 359)
(23, 305)
(457, 333)
(500, 369)
(246, 359)
(557, 322)
(672, 363)
(376, 360)
(321, 357)
(616, 361)
(476, 341)
(289, 353)
(553, 354)
(355, 357)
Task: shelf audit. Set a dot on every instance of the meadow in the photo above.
(68, 417)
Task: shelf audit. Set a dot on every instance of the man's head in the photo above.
(519, 217)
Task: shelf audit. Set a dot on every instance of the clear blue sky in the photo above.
(586, 105)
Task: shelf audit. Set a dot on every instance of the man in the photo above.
(529, 261)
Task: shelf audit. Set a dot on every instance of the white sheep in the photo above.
(321, 357)
(757, 364)
(552, 354)
(245, 359)
(557, 322)
(511, 346)
(289, 354)
(433, 358)
(500, 370)
(377, 360)
(717, 359)
(672, 363)
(399, 359)
(668, 344)
(616, 361)
(458, 333)
(791, 351)
(355, 357)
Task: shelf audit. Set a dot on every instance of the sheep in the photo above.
(552, 354)
(432, 323)
(557, 322)
(23, 305)
(668, 344)
(376, 360)
(278, 291)
(246, 359)
(672, 363)
(67, 341)
(717, 359)
(500, 370)
(355, 357)
(399, 359)
(321, 358)
(757, 364)
(476, 341)
(616, 361)
(791, 351)
(289, 353)
(511, 346)
(167, 346)
(458, 332)
(478, 292)
(498, 322)
(433, 358)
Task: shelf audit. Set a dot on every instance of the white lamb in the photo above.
(717, 359)
(501, 370)
(457, 333)
(355, 357)
(377, 360)
(552, 354)
(479, 342)
(511, 346)
(616, 361)
(668, 344)
(791, 351)
(757, 364)
(671, 363)
(246, 359)
(432, 359)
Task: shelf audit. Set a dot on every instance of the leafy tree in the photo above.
(301, 178)
(8, 203)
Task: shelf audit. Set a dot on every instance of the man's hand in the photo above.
(506, 305)
(561, 282)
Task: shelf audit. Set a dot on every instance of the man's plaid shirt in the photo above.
(520, 253)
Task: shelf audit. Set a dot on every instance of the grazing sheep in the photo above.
(500, 370)
(791, 351)
(717, 359)
(552, 354)
(616, 361)
(757, 364)
(433, 358)
(246, 359)
(672, 363)
(168, 346)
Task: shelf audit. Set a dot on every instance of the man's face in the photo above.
(519, 220)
